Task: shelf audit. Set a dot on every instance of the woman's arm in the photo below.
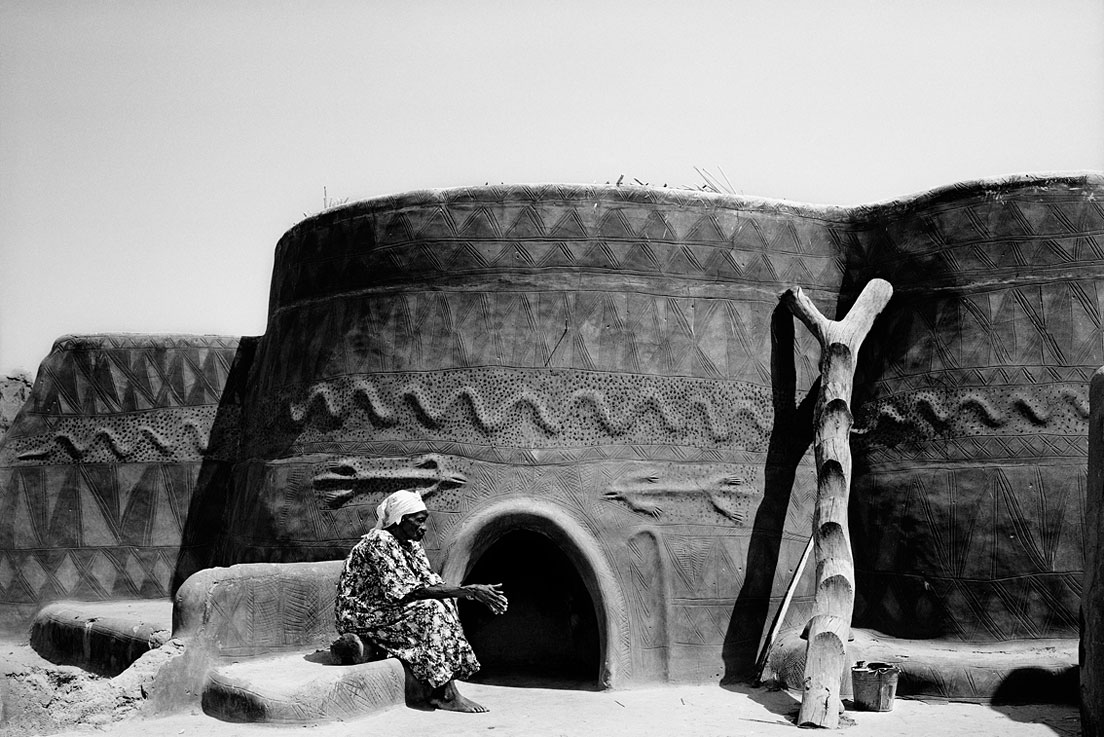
(490, 595)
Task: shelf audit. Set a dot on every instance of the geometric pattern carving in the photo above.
(556, 325)
(168, 435)
(1001, 551)
(97, 473)
(707, 336)
(94, 506)
(362, 358)
(256, 618)
(710, 270)
(647, 597)
(633, 231)
(91, 375)
(993, 412)
(973, 434)
(91, 532)
(568, 409)
(35, 576)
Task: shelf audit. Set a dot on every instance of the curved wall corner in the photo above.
(469, 539)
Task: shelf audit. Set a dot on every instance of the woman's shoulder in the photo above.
(377, 539)
(373, 535)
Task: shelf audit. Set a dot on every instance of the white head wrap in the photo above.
(392, 509)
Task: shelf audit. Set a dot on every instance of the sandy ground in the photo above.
(695, 711)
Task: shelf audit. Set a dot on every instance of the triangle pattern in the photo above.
(570, 226)
(25, 535)
(96, 529)
(65, 518)
(481, 224)
(528, 224)
(615, 226)
(707, 230)
(438, 224)
(398, 229)
(657, 228)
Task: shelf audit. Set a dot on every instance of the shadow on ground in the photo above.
(528, 680)
(1028, 695)
(779, 702)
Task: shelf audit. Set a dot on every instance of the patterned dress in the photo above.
(425, 634)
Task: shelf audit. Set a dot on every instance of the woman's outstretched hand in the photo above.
(489, 595)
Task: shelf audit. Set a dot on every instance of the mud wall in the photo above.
(969, 505)
(606, 351)
(619, 353)
(98, 471)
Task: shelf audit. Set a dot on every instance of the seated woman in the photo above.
(388, 596)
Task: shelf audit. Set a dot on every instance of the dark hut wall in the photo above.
(968, 511)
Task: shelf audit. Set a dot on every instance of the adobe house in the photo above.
(596, 387)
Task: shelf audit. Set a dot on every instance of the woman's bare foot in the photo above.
(448, 698)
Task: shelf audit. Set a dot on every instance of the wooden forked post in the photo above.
(835, 568)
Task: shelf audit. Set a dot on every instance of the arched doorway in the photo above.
(467, 542)
(550, 635)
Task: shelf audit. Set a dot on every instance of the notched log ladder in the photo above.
(835, 568)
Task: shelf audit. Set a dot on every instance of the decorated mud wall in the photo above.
(99, 468)
(605, 352)
(609, 367)
(969, 507)
(618, 355)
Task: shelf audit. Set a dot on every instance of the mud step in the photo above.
(297, 688)
(102, 637)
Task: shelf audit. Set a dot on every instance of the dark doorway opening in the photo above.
(549, 635)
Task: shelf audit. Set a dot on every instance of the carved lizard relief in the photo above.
(341, 480)
(729, 492)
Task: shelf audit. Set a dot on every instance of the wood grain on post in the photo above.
(834, 603)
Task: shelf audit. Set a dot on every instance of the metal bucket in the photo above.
(874, 685)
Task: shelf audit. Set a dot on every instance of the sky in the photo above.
(153, 152)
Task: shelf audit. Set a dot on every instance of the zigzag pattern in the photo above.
(158, 436)
(714, 238)
(103, 375)
(659, 233)
(945, 413)
(521, 409)
(431, 413)
(143, 342)
(28, 576)
(337, 405)
(90, 528)
(86, 505)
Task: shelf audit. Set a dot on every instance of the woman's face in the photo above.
(413, 526)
